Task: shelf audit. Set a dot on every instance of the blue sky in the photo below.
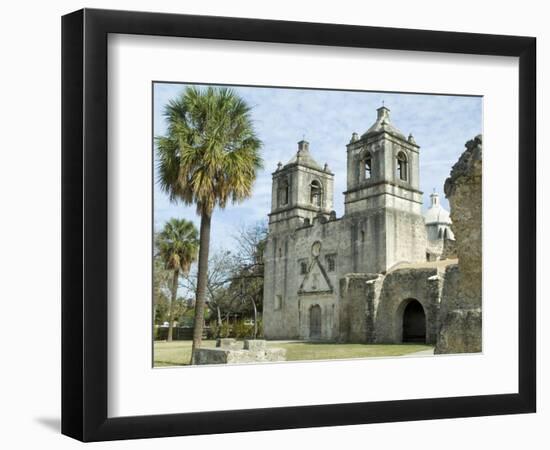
(440, 124)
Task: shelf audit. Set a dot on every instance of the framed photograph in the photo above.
(273, 224)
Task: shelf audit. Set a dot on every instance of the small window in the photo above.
(316, 193)
(362, 235)
(368, 166)
(283, 192)
(331, 263)
(303, 267)
(402, 166)
(278, 303)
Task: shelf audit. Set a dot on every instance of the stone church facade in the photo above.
(376, 274)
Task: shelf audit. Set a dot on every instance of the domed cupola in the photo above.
(303, 157)
(438, 220)
(383, 124)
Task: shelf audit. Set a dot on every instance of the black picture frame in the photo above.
(84, 224)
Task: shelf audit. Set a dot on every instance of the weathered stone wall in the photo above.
(287, 301)
(460, 330)
(359, 295)
(280, 313)
(449, 249)
(405, 237)
(451, 280)
(398, 289)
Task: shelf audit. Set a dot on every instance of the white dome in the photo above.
(436, 213)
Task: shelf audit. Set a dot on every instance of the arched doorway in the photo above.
(315, 322)
(414, 322)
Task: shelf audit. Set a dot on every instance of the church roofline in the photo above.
(303, 158)
(299, 206)
(382, 126)
(368, 184)
(347, 202)
(314, 223)
(396, 136)
(378, 136)
(301, 164)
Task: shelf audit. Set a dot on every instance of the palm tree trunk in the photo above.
(174, 296)
(202, 278)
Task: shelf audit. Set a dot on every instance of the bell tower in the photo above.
(301, 191)
(383, 200)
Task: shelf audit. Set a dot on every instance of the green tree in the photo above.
(177, 246)
(161, 287)
(209, 157)
(248, 280)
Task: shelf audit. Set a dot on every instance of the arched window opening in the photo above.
(283, 192)
(402, 166)
(368, 166)
(316, 193)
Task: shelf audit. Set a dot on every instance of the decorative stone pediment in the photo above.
(316, 280)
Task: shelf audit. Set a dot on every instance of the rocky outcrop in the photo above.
(460, 321)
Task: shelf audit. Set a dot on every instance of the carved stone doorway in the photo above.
(315, 322)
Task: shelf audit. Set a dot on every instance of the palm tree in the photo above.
(208, 157)
(177, 246)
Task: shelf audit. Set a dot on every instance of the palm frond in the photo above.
(211, 154)
(177, 244)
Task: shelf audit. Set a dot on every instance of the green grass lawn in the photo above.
(178, 353)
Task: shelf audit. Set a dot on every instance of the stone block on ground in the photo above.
(211, 356)
(243, 357)
(275, 354)
(221, 355)
(254, 344)
(229, 343)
